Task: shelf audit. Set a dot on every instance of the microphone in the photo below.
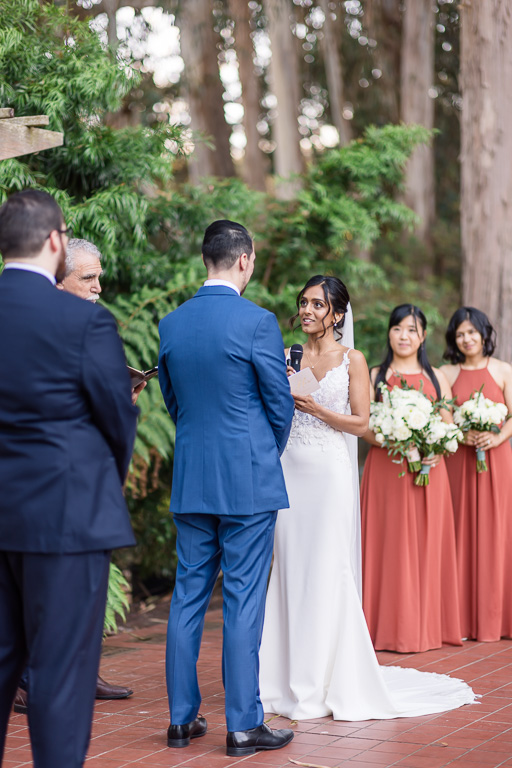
(296, 353)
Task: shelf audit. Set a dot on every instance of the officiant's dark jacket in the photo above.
(67, 424)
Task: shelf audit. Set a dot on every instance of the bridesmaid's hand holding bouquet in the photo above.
(409, 425)
(438, 438)
(481, 415)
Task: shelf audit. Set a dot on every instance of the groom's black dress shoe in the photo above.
(240, 743)
(180, 735)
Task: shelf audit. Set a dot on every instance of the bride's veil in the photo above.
(347, 339)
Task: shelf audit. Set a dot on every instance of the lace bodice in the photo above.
(332, 394)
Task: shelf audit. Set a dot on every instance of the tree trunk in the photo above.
(334, 70)
(255, 166)
(417, 75)
(486, 152)
(204, 91)
(285, 86)
(110, 7)
(383, 21)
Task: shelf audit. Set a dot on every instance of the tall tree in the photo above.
(255, 164)
(285, 86)
(486, 152)
(204, 90)
(417, 106)
(334, 69)
(383, 23)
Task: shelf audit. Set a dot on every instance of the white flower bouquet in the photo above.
(409, 425)
(483, 415)
(438, 438)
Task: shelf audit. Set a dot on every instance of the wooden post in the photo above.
(21, 135)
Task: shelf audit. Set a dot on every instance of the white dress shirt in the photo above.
(216, 281)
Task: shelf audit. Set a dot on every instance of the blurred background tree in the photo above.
(285, 115)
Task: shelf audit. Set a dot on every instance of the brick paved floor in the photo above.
(132, 732)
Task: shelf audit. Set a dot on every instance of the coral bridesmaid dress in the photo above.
(482, 506)
(410, 594)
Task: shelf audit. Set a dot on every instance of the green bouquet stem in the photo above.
(413, 460)
(481, 464)
(422, 478)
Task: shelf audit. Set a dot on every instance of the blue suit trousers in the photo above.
(52, 608)
(242, 547)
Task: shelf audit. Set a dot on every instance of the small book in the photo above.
(138, 377)
(303, 383)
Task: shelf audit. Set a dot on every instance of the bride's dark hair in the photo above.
(336, 296)
(396, 317)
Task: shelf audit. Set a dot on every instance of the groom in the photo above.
(223, 377)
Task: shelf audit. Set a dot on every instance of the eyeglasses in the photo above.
(68, 231)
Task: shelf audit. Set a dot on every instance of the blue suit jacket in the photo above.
(223, 377)
(67, 424)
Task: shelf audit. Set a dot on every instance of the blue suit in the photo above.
(223, 378)
(67, 427)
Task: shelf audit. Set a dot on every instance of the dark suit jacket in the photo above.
(223, 377)
(67, 424)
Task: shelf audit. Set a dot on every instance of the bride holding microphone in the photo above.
(316, 657)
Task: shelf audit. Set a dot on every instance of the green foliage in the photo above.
(116, 189)
(117, 599)
(154, 557)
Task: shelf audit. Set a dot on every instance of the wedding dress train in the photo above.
(316, 657)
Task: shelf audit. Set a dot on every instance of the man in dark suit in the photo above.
(81, 278)
(223, 377)
(67, 426)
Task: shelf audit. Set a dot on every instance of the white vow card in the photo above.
(304, 382)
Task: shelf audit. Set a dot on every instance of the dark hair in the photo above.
(397, 315)
(224, 242)
(481, 322)
(336, 296)
(26, 220)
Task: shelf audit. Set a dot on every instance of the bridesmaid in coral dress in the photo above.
(482, 501)
(410, 594)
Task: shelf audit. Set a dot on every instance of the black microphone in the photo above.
(296, 353)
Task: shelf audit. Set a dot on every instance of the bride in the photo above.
(316, 656)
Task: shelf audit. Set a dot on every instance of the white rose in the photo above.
(452, 445)
(401, 432)
(401, 411)
(379, 438)
(417, 419)
(387, 425)
(458, 417)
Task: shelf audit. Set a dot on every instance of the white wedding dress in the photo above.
(316, 657)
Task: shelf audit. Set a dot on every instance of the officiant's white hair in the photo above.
(75, 246)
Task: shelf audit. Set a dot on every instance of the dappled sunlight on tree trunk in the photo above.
(204, 89)
(486, 204)
(383, 20)
(334, 70)
(417, 107)
(285, 86)
(256, 163)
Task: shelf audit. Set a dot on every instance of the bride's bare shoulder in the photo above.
(356, 358)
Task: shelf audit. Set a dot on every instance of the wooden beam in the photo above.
(16, 140)
(30, 120)
(6, 112)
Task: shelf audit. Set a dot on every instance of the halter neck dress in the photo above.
(410, 593)
(482, 505)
